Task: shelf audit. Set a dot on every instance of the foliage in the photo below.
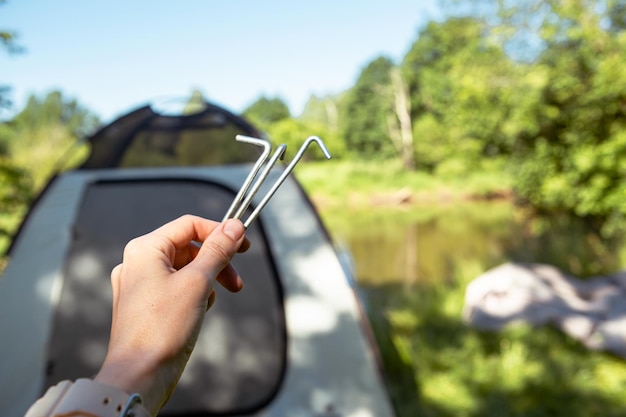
(536, 85)
(265, 111)
(44, 131)
(15, 183)
(15, 192)
(319, 119)
(54, 109)
(195, 104)
(364, 113)
(569, 156)
(15, 186)
(323, 111)
(8, 43)
(461, 88)
(294, 132)
(35, 142)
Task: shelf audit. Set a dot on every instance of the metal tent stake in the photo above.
(242, 201)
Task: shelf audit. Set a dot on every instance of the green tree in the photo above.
(322, 110)
(320, 117)
(364, 113)
(293, 132)
(616, 13)
(8, 43)
(265, 111)
(195, 104)
(45, 130)
(461, 88)
(15, 183)
(570, 157)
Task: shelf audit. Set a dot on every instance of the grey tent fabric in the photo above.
(241, 353)
(592, 310)
(330, 362)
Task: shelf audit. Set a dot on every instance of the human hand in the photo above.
(161, 292)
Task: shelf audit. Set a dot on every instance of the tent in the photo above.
(294, 342)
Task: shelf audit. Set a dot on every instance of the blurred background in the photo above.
(464, 134)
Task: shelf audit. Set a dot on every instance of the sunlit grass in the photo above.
(355, 183)
(437, 366)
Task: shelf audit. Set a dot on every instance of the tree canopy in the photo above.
(265, 111)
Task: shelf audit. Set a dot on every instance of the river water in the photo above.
(428, 244)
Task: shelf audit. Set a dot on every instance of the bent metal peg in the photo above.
(278, 154)
(240, 204)
(267, 148)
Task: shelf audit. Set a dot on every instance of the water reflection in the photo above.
(426, 244)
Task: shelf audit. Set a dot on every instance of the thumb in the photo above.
(219, 248)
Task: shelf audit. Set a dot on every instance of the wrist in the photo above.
(134, 375)
(86, 397)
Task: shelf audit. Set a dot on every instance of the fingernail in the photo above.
(234, 229)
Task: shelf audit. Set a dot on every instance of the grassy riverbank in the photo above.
(436, 365)
(354, 184)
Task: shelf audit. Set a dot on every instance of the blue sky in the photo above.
(116, 55)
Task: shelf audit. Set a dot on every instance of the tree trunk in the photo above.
(402, 105)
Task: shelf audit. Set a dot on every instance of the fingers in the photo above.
(115, 280)
(219, 247)
(115, 272)
(245, 245)
(185, 255)
(183, 230)
(221, 241)
(230, 279)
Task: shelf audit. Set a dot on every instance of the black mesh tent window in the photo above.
(145, 138)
